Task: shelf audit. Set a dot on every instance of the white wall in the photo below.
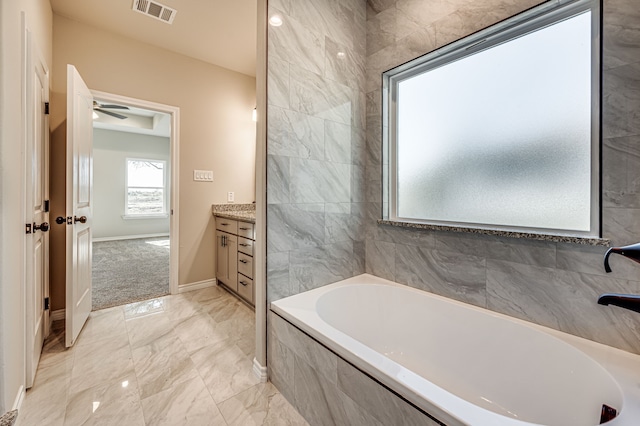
(12, 216)
(110, 152)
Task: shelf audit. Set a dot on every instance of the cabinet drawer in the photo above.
(245, 245)
(245, 229)
(245, 264)
(227, 225)
(245, 288)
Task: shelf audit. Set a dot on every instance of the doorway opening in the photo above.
(135, 198)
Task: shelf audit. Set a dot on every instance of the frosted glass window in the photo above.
(145, 187)
(502, 137)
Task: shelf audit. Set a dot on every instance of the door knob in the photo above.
(81, 219)
(44, 227)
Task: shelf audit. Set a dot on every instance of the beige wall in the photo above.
(12, 315)
(216, 130)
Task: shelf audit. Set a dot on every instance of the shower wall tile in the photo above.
(337, 142)
(278, 170)
(294, 226)
(561, 300)
(380, 259)
(622, 225)
(449, 274)
(293, 134)
(621, 35)
(620, 165)
(327, 18)
(278, 82)
(314, 95)
(315, 181)
(278, 276)
(357, 184)
(382, 29)
(314, 267)
(377, 6)
(343, 64)
(621, 101)
(316, 141)
(344, 222)
(294, 43)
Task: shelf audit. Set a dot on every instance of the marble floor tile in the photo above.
(187, 403)
(261, 404)
(231, 372)
(174, 360)
(110, 403)
(161, 365)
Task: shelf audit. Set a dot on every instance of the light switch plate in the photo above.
(231, 197)
(203, 175)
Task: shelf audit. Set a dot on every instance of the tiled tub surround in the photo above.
(555, 284)
(324, 177)
(475, 367)
(315, 144)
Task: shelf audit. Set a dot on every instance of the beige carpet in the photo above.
(126, 271)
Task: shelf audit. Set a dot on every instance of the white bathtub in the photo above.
(466, 365)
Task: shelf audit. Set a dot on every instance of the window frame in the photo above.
(516, 26)
(165, 206)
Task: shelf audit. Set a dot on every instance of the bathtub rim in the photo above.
(299, 310)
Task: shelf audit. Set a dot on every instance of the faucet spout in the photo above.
(631, 251)
(627, 301)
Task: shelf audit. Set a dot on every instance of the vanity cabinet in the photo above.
(234, 256)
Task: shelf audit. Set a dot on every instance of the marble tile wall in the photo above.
(326, 390)
(553, 284)
(315, 144)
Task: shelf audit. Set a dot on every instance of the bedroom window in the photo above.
(146, 188)
(500, 130)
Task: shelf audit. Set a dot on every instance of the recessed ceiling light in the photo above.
(275, 20)
(341, 55)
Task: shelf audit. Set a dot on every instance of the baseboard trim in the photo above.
(19, 399)
(259, 371)
(129, 237)
(196, 286)
(57, 315)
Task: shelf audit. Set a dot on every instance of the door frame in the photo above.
(174, 159)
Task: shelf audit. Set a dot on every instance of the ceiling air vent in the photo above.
(155, 10)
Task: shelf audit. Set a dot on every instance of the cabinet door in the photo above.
(232, 264)
(222, 258)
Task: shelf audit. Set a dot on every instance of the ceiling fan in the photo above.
(103, 109)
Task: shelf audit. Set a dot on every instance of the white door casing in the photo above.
(79, 204)
(36, 195)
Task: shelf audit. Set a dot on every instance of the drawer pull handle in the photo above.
(244, 284)
(242, 261)
(244, 245)
(224, 224)
(244, 229)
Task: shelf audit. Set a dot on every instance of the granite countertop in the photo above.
(243, 215)
(242, 212)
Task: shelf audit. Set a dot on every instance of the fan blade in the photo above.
(113, 106)
(113, 114)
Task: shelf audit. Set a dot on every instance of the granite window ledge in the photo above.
(590, 241)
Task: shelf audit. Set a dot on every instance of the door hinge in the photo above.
(46, 108)
(28, 228)
(46, 303)
(46, 206)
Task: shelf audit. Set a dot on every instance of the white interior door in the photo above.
(37, 209)
(79, 204)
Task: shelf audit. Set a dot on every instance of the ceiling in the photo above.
(220, 32)
(141, 121)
